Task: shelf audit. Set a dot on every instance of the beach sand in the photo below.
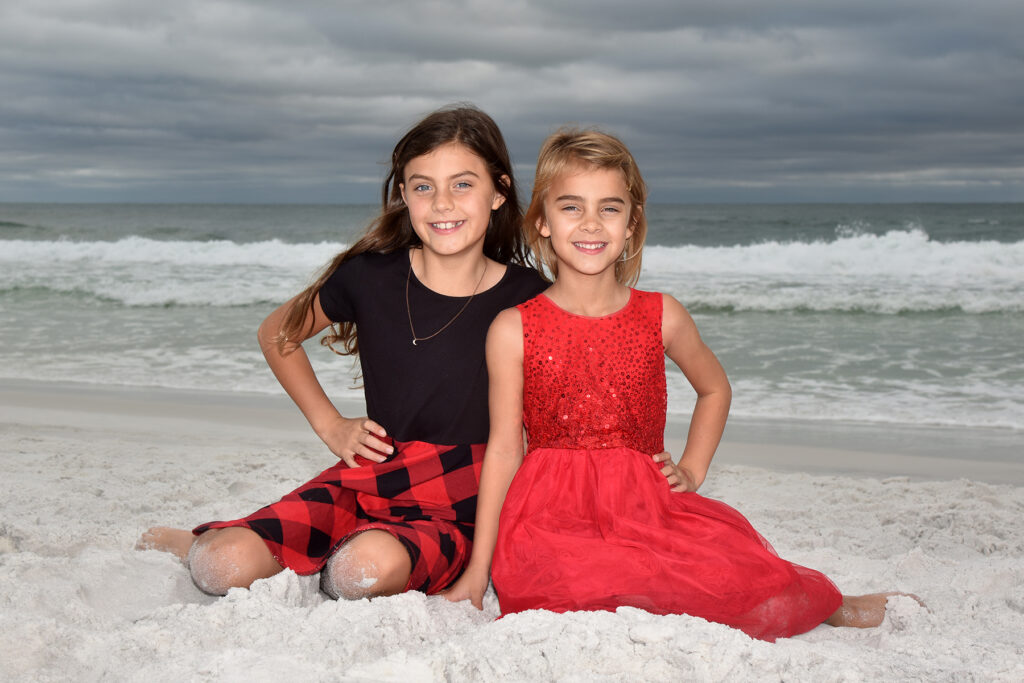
(936, 512)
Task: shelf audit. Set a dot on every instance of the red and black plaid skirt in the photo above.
(424, 495)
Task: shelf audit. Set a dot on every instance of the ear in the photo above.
(401, 188)
(542, 227)
(499, 198)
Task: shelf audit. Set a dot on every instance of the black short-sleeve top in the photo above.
(435, 390)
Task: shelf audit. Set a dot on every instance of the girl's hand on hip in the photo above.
(679, 478)
(349, 437)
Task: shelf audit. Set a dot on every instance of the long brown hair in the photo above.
(570, 147)
(392, 230)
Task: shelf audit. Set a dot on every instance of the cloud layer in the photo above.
(799, 100)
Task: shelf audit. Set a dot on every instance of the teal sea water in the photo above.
(897, 314)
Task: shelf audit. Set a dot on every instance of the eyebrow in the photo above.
(578, 198)
(460, 174)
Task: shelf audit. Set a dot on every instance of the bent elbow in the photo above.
(721, 393)
(268, 336)
(263, 335)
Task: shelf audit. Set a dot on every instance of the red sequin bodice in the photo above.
(592, 383)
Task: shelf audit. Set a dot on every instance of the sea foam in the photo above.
(900, 271)
(138, 271)
(897, 272)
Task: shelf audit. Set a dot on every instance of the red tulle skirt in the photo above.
(601, 529)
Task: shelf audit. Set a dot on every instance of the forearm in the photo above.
(705, 433)
(505, 442)
(293, 370)
(498, 471)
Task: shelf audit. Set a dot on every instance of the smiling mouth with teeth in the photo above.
(590, 246)
(447, 225)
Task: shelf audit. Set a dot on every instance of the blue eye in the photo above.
(421, 188)
(463, 185)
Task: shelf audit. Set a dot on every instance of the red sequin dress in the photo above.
(590, 523)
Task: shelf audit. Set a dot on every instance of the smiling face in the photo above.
(450, 197)
(587, 216)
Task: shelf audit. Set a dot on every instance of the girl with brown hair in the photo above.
(413, 298)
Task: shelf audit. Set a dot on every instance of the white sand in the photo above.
(85, 471)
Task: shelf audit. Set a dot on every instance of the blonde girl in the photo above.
(597, 515)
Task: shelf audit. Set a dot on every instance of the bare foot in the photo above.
(176, 541)
(864, 611)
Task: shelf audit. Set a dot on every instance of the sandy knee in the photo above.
(372, 564)
(349, 576)
(222, 559)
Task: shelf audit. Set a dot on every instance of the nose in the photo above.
(443, 200)
(590, 222)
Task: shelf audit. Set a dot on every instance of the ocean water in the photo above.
(897, 314)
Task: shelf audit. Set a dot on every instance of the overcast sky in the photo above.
(720, 100)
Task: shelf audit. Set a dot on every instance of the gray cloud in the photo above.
(720, 101)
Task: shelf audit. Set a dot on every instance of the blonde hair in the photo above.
(570, 147)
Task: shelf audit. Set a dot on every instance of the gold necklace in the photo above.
(408, 309)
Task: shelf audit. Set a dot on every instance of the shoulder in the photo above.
(533, 311)
(676, 322)
(345, 287)
(521, 283)
(652, 306)
(508, 321)
(355, 270)
(671, 308)
(517, 270)
(373, 261)
(647, 300)
(505, 336)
